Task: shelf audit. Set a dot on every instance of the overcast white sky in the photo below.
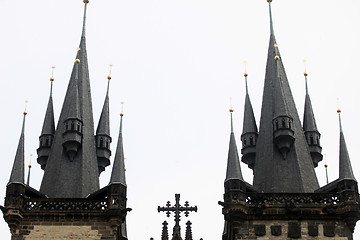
(176, 64)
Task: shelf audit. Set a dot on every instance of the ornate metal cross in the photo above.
(177, 209)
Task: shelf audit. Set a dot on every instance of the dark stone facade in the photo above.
(103, 211)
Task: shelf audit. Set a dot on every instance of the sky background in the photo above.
(176, 65)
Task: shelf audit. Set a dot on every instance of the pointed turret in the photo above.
(48, 130)
(18, 170)
(165, 232)
(311, 132)
(118, 171)
(102, 137)
(72, 169)
(28, 176)
(345, 169)
(73, 124)
(250, 131)
(233, 171)
(188, 232)
(283, 161)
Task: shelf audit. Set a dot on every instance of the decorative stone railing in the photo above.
(65, 205)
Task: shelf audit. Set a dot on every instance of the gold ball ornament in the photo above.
(86, 1)
(52, 79)
(338, 111)
(109, 77)
(77, 60)
(246, 74)
(305, 74)
(276, 58)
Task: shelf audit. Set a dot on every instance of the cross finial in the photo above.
(177, 209)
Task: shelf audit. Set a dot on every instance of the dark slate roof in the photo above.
(272, 173)
(309, 123)
(233, 170)
(18, 171)
(345, 169)
(249, 123)
(78, 178)
(49, 123)
(104, 121)
(118, 171)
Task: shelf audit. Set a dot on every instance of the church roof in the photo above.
(233, 170)
(49, 123)
(249, 123)
(104, 121)
(309, 123)
(273, 173)
(77, 178)
(118, 171)
(18, 170)
(345, 169)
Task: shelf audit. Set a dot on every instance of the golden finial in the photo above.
(30, 161)
(231, 107)
(305, 72)
(109, 76)
(78, 49)
(269, 1)
(276, 58)
(77, 60)
(122, 109)
(86, 1)
(52, 74)
(275, 45)
(245, 73)
(26, 102)
(338, 110)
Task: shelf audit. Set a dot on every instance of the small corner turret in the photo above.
(72, 134)
(103, 138)
(48, 131)
(250, 131)
(311, 132)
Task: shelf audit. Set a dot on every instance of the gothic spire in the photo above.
(345, 169)
(48, 130)
(71, 169)
(18, 171)
(233, 164)
(282, 164)
(103, 138)
(165, 232)
(118, 171)
(310, 129)
(188, 232)
(250, 132)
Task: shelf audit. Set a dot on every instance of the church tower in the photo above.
(285, 200)
(70, 203)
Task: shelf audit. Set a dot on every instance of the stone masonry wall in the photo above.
(282, 230)
(63, 229)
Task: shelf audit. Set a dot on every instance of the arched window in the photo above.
(283, 122)
(101, 142)
(311, 139)
(251, 140)
(72, 126)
